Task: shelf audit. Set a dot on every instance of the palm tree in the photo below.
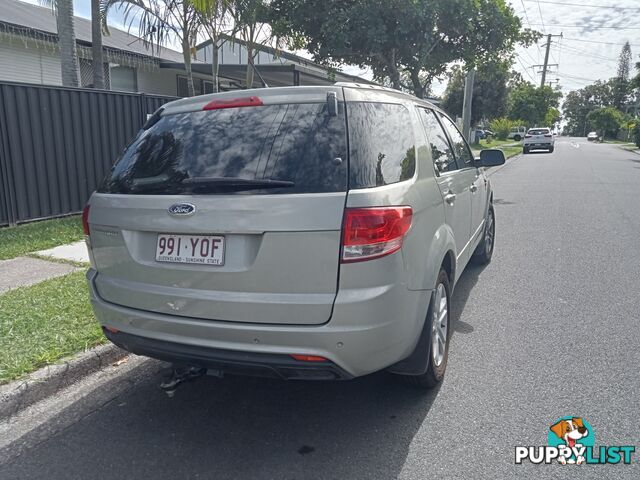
(249, 17)
(157, 21)
(96, 45)
(66, 40)
(213, 16)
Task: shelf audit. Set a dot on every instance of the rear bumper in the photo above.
(538, 144)
(370, 329)
(230, 361)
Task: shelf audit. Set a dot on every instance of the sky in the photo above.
(593, 32)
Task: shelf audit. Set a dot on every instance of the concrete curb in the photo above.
(49, 380)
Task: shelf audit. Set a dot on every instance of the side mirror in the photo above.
(491, 158)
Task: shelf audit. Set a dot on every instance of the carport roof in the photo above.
(275, 75)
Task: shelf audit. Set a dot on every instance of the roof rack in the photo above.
(367, 86)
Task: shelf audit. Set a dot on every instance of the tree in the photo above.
(158, 20)
(405, 43)
(489, 91)
(96, 45)
(213, 16)
(579, 103)
(531, 104)
(620, 82)
(606, 120)
(250, 17)
(551, 117)
(66, 41)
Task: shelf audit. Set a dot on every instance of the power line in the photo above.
(585, 27)
(541, 19)
(526, 69)
(529, 22)
(596, 41)
(570, 4)
(587, 54)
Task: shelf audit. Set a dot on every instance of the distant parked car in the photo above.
(483, 134)
(538, 139)
(517, 133)
(592, 136)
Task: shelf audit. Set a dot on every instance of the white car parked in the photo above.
(538, 139)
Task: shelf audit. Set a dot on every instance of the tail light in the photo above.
(548, 135)
(527, 136)
(370, 233)
(85, 219)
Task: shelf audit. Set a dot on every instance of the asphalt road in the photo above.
(549, 328)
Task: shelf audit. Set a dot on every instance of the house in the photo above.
(29, 53)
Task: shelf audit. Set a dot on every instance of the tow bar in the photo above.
(179, 375)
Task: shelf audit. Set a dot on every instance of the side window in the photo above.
(441, 151)
(463, 153)
(381, 142)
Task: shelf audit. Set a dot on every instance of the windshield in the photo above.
(241, 149)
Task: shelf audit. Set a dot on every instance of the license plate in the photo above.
(202, 249)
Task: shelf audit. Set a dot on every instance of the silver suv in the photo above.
(303, 233)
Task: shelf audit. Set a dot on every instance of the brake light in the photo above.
(370, 233)
(233, 103)
(85, 219)
(308, 358)
(527, 136)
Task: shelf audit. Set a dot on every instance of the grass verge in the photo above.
(509, 147)
(16, 241)
(43, 323)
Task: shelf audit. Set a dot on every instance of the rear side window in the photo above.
(441, 152)
(381, 144)
(460, 147)
(294, 143)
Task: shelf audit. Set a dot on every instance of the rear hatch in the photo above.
(231, 214)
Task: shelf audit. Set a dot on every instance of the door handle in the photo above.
(450, 197)
(473, 188)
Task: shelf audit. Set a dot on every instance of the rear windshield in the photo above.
(295, 144)
(538, 131)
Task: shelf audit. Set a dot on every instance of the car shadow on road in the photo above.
(238, 427)
(461, 293)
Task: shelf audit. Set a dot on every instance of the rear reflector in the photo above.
(370, 233)
(233, 103)
(308, 358)
(85, 219)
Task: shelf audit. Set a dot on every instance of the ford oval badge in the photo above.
(182, 209)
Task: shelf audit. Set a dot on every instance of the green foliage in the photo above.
(606, 120)
(552, 116)
(16, 241)
(531, 103)
(636, 134)
(412, 40)
(43, 323)
(489, 91)
(501, 127)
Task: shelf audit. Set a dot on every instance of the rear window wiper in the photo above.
(233, 183)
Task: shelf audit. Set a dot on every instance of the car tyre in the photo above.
(484, 251)
(517, 138)
(525, 150)
(439, 316)
(551, 150)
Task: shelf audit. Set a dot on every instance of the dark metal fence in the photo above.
(57, 144)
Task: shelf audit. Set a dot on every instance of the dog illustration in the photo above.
(570, 431)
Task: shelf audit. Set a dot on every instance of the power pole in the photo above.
(466, 104)
(545, 67)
